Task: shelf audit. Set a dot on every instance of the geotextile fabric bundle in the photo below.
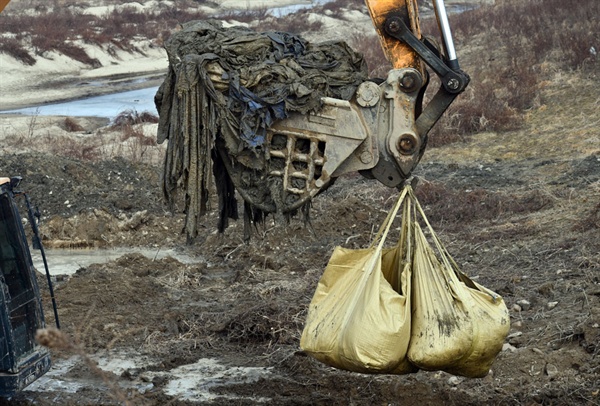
(402, 309)
(228, 86)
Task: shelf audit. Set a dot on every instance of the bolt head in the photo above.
(453, 84)
(394, 26)
(407, 144)
(408, 81)
(366, 157)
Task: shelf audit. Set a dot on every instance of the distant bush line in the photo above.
(64, 29)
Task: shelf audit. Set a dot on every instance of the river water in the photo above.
(108, 105)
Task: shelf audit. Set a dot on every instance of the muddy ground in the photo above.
(519, 214)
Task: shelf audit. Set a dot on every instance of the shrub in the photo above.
(137, 143)
(68, 147)
(127, 118)
(370, 47)
(514, 39)
(13, 47)
(458, 207)
(245, 16)
(58, 28)
(71, 125)
(590, 222)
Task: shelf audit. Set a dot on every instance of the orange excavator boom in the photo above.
(3, 4)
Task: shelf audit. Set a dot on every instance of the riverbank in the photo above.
(55, 77)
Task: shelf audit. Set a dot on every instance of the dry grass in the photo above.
(71, 125)
(88, 150)
(591, 221)
(265, 322)
(127, 118)
(130, 136)
(136, 145)
(458, 208)
(370, 48)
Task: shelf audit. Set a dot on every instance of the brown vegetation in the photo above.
(458, 208)
(512, 49)
(61, 29)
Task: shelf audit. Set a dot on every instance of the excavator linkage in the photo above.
(381, 132)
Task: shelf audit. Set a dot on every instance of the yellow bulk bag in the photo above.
(356, 320)
(458, 326)
(491, 325)
(396, 310)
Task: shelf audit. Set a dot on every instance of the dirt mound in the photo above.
(87, 204)
(64, 186)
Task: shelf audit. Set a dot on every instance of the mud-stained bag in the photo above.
(357, 320)
(458, 326)
(442, 330)
(490, 329)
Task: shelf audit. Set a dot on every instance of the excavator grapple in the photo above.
(226, 118)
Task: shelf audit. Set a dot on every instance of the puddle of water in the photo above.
(119, 362)
(193, 382)
(56, 380)
(190, 382)
(67, 262)
(53, 380)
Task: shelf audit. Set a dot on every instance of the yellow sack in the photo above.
(458, 326)
(356, 320)
(396, 310)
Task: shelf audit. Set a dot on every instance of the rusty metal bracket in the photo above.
(307, 151)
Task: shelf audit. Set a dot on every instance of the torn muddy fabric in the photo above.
(229, 85)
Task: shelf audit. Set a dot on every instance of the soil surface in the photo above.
(525, 227)
(518, 211)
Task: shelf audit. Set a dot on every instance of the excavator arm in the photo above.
(381, 132)
(400, 54)
(397, 25)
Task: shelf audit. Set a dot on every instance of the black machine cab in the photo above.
(22, 359)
